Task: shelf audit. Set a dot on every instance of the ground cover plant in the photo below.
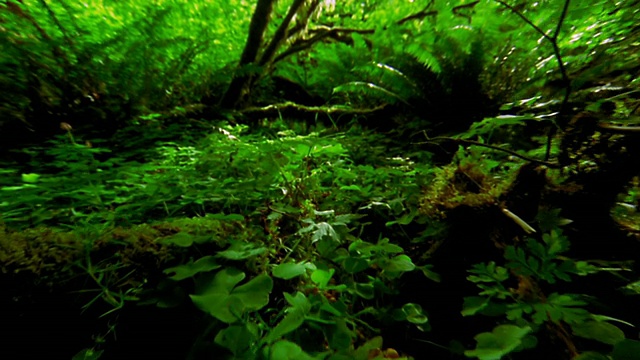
(319, 180)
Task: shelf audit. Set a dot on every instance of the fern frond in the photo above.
(426, 56)
(370, 89)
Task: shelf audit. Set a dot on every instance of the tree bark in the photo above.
(239, 83)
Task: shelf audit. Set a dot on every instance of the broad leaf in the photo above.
(626, 350)
(227, 304)
(288, 271)
(598, 330)
(206, 263)
(286, 350)
(501, 341)
(237, 338)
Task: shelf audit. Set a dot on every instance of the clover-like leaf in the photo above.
(206, 263)
(501, 341)
(222, 300)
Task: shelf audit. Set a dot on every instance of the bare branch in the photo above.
(475, 143)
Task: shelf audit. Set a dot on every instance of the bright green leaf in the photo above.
(286, 350)
(221, 301)
(30, 178)
(288, 271)
(322, 277)
(414, 314)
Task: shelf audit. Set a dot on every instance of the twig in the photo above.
(475, 143)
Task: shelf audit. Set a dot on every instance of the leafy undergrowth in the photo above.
(319, 246)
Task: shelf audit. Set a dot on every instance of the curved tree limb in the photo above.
(259, 21)
(280, 34)
(553, 39)
(493, 147)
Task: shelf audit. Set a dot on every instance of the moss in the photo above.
(465, 184)
(57, 255)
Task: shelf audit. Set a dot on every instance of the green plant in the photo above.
(527, 307)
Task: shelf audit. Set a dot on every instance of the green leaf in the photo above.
(591, 355)
(293, 320)
(364, 290)
(626, 350)
(414, 314)
(387, 247)
(297, 300)
(206, 263)
(557, 242)
(324, 229)
(365, 349)
(474, 304)
(351, 187)
(327, 246)
(340, 337)
(328, 307)
(15, 188)
(227, 304)
(181, 239)
(599, 331)
(230, 217)
(239, 251)
(237, 338)
(400, 263)
(288, 271)
(354, 265)
(501, 341)
(322, 277)
(30, 178)
(254, 294)
(430, 274)
(286, 350)
(88, 354)
(223, 282)
(405, 219)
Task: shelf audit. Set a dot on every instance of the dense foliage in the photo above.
(320, 179)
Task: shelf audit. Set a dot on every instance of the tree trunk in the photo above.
(239, 83)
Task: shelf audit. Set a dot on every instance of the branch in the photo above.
(524, 18)
(458, 10)
(325, 31)
(417, 16)
(475, 143)
(293, 110)
(556, 53)
(280, 34)
(617, 129)
(303, 21)
(259, 21)
(563, 15)
(321, 33)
